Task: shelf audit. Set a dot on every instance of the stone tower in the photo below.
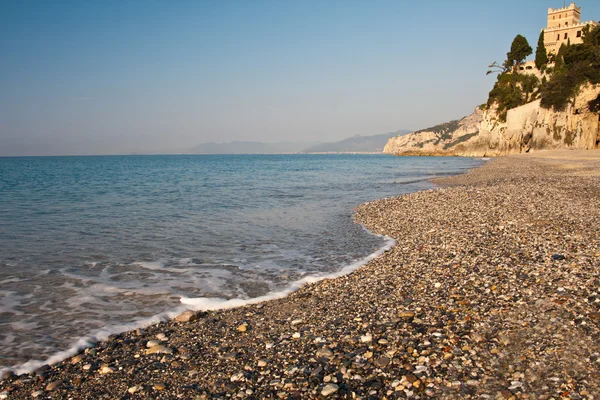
(564, 25)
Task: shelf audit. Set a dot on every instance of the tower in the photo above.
(564, 26)
(564, 17)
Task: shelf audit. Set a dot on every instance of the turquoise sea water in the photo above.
(97, 244)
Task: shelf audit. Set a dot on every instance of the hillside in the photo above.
(355, 144)
(529, 127)
(358, 143)
(442, 139)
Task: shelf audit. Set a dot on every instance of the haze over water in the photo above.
(92, 244)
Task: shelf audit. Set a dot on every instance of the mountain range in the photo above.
(355, 144)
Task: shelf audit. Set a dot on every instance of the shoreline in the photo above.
(195, 305)
(438, 315)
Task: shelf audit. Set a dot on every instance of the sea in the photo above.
(96, 245)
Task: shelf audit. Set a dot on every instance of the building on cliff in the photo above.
(563, 26)
(500, 128)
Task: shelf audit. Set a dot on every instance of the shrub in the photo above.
(512, 90)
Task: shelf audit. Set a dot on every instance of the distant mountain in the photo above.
(358, 144)
(249, 148)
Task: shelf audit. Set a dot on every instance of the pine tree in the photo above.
(541, 56)
(560, 60)
(519, 50)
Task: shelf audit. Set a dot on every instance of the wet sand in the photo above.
(492, 291)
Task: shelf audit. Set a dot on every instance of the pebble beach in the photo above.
(492, 291)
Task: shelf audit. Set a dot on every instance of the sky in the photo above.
(116, 77)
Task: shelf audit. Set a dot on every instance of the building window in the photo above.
(566, 35)
(578, 33)
(558, 37)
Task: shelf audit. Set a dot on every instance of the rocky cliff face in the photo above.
(441, 139)
(527, 128)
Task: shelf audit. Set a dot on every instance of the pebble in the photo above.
(329, 389)
(515, 385)
(77, 359)
(366, 338)
(107, 370)
(382, 361)
(406, 315)
(419, 369)
(53, 385)
(152, 343)
(237, 377)
(324, 352)
(242, 328)
(160, 349)
(133, 389)
(186, 316)
(8, 375)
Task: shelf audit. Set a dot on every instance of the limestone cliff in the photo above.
(527, 128)
(441, 139)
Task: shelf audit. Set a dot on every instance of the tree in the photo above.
(559, 62)
(541, 56)
(575, 65)
(591, 36)
(495, 68)
(519, 50)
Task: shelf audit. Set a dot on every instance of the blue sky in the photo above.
(105, 77)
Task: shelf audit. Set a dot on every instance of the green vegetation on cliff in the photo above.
(442, 131)
(575, 65)
(513, 89)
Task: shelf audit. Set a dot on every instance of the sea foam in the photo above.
(195, 304)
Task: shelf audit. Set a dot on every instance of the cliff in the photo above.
(531, 127)
(443, 139)
(527, 128)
